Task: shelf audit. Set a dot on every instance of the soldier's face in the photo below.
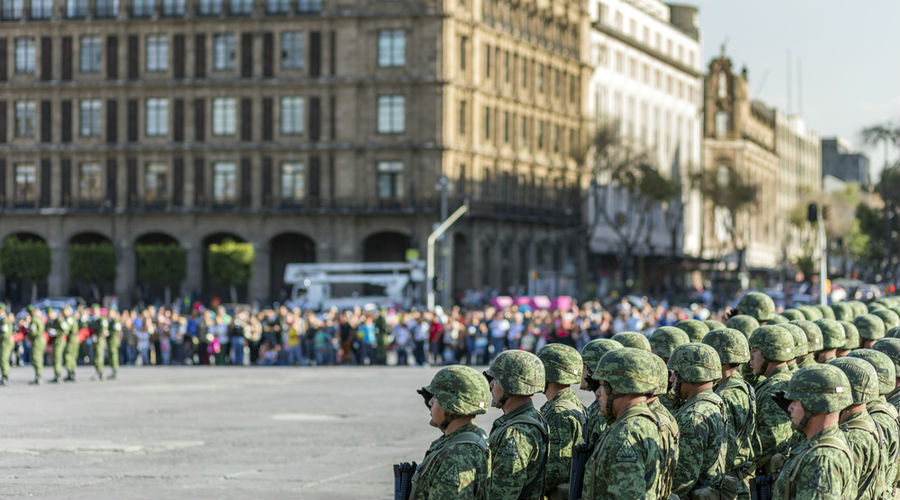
(797, 412)
(584, 375)
(437, 413)
(756, 361)
(602, 396)
(496, 393)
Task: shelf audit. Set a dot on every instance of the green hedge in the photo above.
(161, 264)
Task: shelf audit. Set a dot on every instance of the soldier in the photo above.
(520, 439)
(457, 465)
(590, 356)
(821, 466)
(888, 317)
(740, 401)
(115, 342)
(563, 411)
(825, 311)
(100, 331)
(669, 428)
(694, 329)
(632, 339)
(890, 347)
(852, 335)
(743, 323)
(815, 343)
(757, 305)
(6, 344)
(800, 344)
(833, 338)
(770, 350)
(863, 437)
(73, 342)
(57, 332)
(843, 312)
(38, 343)
(665, 339)
(884, 415)
(870, 327)
(627, 461)
(702, 420)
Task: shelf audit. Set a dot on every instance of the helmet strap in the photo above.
(803, 421)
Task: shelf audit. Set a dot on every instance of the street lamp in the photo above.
(443, 185)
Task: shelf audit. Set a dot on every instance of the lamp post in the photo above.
(443, 185)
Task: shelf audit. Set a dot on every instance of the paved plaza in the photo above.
(215, 432)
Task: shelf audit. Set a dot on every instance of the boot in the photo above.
(4, 380)
(56, 380)
(70, 377)
(112, 376)
(36, 381)
(100, 376)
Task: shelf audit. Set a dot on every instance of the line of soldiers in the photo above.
(64, 330)
(798, 405)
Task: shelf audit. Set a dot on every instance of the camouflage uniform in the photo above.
(56, 329)
(456, 465)
(627, 461)
(773, 424)
(115, 341)
(100, 330)
(820, 467)
(669, 432)
(519, 440)
(73, 343)
(694, 329)
(702, 421)
(890, 347)
(746, 325)
(590, 356)
(6, 344)
(38, 343)
(564, 413)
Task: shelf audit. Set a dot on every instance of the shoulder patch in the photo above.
(626, 454)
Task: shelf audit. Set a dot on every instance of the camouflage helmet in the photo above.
(562, 364)
(875, 306)
(813, 335)
(843, 312)
(820, 389)
(832, 334)
(870, 327)
(696, 363)
(810, 312)
(662, 374)
(758, 305)
(695, 329)
(889, 318)
(519, 373)
(778, 319)
(595, 349)
(665, 339)
(827, 312)
(852, 335)
(713, 324)
(730, 345)
(890, 347)
(862, 376)
(893, 332)
(793, 314)
(858, 308)
(884, 367)
(460, 390)
(743, 323)
(628, 371)
(801, 344)
(632, 339)
(774, 342)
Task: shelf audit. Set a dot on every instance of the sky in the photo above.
(849, 53)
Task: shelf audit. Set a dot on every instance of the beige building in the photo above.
(318, 130)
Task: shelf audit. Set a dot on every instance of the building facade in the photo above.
(840, 161)
(318, 130)
(647, 82)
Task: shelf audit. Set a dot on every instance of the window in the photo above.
(463, 47)
(391, 48)
(90, 182)
(25, 118)
(156, 182)
(390, 185)
(210, 7)
(25, 55)
(26, 180)
(41, 9)
(309, 6)
(173, 8)
(157, 117)
(223, 52)
(76, 9)
(293, 181)
(157, 53)
(723, 123)
(723, 84)
(13, 9)
(224, 116)
(391, 114)
(292, 43)
(89, 57)
(89, 121)
(278, 6)
(292, 115)
(107, 8)
(487, 124)
(224, 182)
(142, 8)
(241, 7)
(487, 61)
(462, 118)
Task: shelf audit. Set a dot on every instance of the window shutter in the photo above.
(46, 122)
(178, 181)
(246, 55)
(200, 56)
(112, 57)
(67, 58)
(112, 190)
(47, 58)
(45, 182)
(267, 181)
(112, 115)
(2, 122)
(3, 76)
(313, 178)
(246, 183)
(246, 119)
(66, 125)
(133, 57)
(315, 118)
(178, 56)
(332, 54)
(178, 121)
(132, 118)
(199, 184)
(267, 119)
(66, 184)
(315, 53)
(268, 55)
(199, 120)
(132, 197)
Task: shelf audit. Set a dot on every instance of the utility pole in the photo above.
(444, 187)
(432, 239)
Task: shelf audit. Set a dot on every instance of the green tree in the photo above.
(93, 264)
(25, 260)
(731, 195)
(162, 264)
(230, 263)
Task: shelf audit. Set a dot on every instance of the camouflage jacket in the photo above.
(596, 423)
(773, 425)
(566, 418)
(628, 460)
(806, 361)
(519, 444)
(740, 401)
(819, 468)
(669, 439)
(702, 430)
(894, 398)
(864, 440)
(886, 418)
(36, 331)
(455, 466)
(6, 329)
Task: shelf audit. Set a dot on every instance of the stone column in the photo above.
(259, 281)
(194, 280)
(58, 281)
(125, 277)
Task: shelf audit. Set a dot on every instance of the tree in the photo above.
(732, 198)
(25, 260)
(888, 188)
(230, 263)
(162, 264)
(93, 264)
(625, 172)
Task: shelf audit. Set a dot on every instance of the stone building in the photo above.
(318, 130)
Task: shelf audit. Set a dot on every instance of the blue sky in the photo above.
(849, 52)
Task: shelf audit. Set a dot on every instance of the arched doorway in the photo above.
(92, 272)
(151, 291)
(20, 290)
(212, 290)
(284, 249)
(386, 246)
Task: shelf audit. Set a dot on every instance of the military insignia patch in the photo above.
(626, 454)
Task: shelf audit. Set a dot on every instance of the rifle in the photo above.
(403, 474)
(580, 455)
(761, 487)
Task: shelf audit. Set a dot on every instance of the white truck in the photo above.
(319, 286)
